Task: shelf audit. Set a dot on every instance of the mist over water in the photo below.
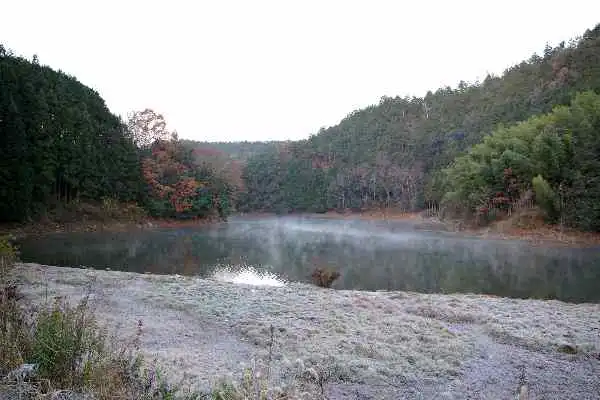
(377, 255)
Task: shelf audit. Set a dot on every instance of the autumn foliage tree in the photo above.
(183, 181)
(171, 185)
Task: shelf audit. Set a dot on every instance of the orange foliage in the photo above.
(164, 166)
(185, 189)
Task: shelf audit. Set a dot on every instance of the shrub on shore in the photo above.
(324, 277)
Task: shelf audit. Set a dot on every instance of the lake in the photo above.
(382, 255)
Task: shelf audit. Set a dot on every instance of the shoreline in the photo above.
(540, 235)
(382, 344)
(45, 228)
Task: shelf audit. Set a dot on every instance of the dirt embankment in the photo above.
(87, 217)
(528, 225)
(48, 227)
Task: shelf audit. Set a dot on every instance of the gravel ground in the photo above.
(373, 345)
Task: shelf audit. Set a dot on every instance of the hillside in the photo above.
(240, 151)
(59, 142)
(67, 158)
(63, 146)
(392, 154)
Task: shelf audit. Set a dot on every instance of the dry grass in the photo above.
(14, 338)
(321, 338)
(76, 216)
(529, 224)
(376, 214)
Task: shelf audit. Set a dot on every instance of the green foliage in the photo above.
(253, 387)
(581, 192)
(545, 196)
(66, 344)
(61, 145)
(14, 339)
(282, 180)
(562, 146)
(59, 142)
(414, 152)
(8, 256)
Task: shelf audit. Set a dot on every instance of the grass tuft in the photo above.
(15, 341)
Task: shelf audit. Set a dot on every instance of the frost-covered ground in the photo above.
(381, 345)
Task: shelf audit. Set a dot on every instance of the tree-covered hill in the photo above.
(58, 142)
(475, 151)
(61, 148)
(393, 153)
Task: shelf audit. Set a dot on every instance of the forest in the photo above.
(471, 152)
(475, 152)
(61, 146)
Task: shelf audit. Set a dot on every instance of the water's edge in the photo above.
(369, 256)
(386, 344)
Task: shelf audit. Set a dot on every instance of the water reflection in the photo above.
(370, 256)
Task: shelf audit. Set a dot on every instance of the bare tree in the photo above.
(148, 126)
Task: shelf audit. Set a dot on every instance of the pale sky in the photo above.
(259, 70)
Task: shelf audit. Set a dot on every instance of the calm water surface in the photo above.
(369, 255)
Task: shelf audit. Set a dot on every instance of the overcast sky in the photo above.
(259, 70)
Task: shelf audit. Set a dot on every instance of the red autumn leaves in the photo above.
(170, 178)
(175, 171)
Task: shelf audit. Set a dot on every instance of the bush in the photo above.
(253, 386)
(8, 256)
(14, 329)
(324, 277)
(67, 344)
(545, 197)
